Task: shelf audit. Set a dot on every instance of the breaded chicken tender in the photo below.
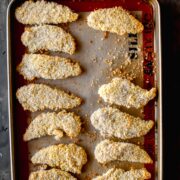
(115, 20)
(111, 122)
(52, 174)
(54, 124)
(124, 93)
(47, 67)
(70, 158)
(34, 97)
(42, 12)
(107, 151)
(47, 37)
(120, 174)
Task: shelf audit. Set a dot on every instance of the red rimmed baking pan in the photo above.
(143, 50)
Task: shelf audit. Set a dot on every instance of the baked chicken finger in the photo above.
(107, 151)
(115, 20)
(43, 12)
(47, 67)
(70, 158)
(34, 97)
(54, 124)
(120, 174)
(48, 38)
(124, 93)
(111, 122)
(52, 174)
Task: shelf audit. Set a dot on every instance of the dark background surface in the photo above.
(170, 15)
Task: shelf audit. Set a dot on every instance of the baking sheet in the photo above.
(102, 56)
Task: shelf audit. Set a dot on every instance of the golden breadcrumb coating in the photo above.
(111, 122)
(107, 151)
(120, 174)
(47, 37)
(42, 12)
(54, 124)
(70, 158)
(52, 174)
(47, 67)
(115, 20)
(124, 93)
(34, 97)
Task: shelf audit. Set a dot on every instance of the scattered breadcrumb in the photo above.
(94, 82)
(43, 12)
(120, 72)
(92, 136)
(95, 60)
(42, 167)
(90, 175)
(109, 62)
(126, 70)
(106, 34)
(99, 101)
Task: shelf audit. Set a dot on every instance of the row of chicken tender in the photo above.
(111, 122)
(43, 36)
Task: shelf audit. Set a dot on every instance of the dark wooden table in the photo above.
(170, 13)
